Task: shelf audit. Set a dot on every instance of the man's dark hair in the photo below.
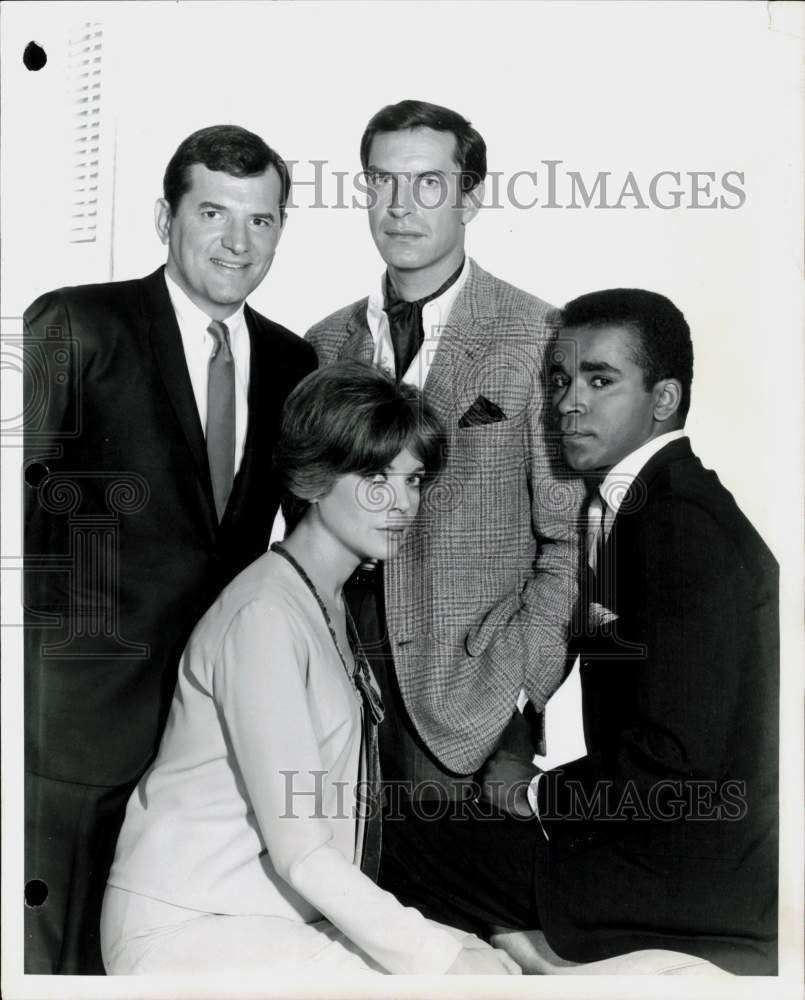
(664, 348)
(229, 148)
(350, 417)
(470, 154)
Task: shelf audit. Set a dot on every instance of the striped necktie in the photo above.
(596, 515)
(220, 431)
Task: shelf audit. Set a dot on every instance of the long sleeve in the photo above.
(260, 678)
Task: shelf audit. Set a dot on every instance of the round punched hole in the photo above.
(36, 892)
(35, 473)
(34, 57)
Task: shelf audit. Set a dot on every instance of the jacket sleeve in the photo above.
(51, 376)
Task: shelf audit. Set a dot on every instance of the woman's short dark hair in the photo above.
(222, 147)
(470, 154)
(663, 348)
(350, 417)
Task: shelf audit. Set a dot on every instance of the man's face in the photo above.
(600, 400)
(222, 238)
(417, 214)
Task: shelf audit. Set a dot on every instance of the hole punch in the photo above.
(34, 57)
(36, 893)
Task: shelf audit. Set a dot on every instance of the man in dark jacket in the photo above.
(152, 407)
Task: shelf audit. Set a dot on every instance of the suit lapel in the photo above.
(452, 385)
(166, 344)
(259, 391)
(358, 343)
(606, 581)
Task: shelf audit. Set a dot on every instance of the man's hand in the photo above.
(477, 958)
(504, 782)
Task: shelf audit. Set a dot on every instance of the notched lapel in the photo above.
(455, 378)
(166, 344)
(358, 343)
(261, 391)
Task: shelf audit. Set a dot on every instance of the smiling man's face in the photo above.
(222, 238)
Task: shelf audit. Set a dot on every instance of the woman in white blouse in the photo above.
(252, 841)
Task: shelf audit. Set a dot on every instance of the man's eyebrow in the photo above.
(374, 169)
(267, 214)
(598, 366)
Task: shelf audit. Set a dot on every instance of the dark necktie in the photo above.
(405, 322)
(370, 799)
(220, 431)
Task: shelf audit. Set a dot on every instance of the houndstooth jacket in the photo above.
(480, 594)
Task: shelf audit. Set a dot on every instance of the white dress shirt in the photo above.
(613, 490)
(198, 346)
(435, 315)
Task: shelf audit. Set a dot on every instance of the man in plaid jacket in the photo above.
(469, 622)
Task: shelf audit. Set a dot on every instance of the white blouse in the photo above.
(249, 807)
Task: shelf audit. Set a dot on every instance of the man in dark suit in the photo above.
(153, 406)
(664, 836)
(471, 615)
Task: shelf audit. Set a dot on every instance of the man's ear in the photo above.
(471, 202)
(667, 398)
(162, 219)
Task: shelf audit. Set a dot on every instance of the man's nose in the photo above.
(569, 400)
(402, 196)
(235, 237)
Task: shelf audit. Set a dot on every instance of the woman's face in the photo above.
(369, 515)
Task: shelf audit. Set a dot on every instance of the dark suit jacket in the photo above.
(664, 835)
(122, 545)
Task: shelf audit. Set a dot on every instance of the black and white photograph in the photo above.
(402, 491)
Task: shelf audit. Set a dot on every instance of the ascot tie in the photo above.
(405, 322)
(220, 431)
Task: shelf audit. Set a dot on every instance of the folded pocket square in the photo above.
(483, 411)
(599, 616)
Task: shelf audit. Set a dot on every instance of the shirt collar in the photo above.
(439, 308)
(620, 477)
(189, 315)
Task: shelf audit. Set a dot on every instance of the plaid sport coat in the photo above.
(480, 595)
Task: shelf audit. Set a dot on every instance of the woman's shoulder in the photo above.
(268, 590)
(270, 581)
